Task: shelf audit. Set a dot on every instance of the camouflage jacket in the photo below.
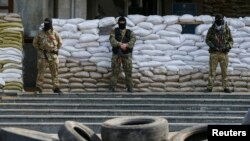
(219, 40)
(47, 42)
(116, 44)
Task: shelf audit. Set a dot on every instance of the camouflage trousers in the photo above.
(214, 60)
(126, 63)
(42, 64)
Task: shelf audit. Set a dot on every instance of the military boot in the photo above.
(130, 90)
(226, 90)
(38, 90)
(57, 90)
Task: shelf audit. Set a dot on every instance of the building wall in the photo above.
(72, 9)
(230, 8)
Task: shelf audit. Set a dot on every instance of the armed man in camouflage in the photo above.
(220, 41)
(47, 42)
(122, 41)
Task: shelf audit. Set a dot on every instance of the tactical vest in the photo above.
(125, 39)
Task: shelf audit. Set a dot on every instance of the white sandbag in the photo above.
(88, 24)
(142, 58)
(88, 38)
(94, 31)
(59, 22)
(88, 44)
(107, 21)
(236, 23)
(175, 40)
(199, 53)
(238, 40)
(146, 25)
(69, 42)
(64, 53)
(206, 19)
(202, 59)
(237, 50)
(81, 54)
(201, 28)
(158, 27)
(147, 73)
(158, 41)
(200, 44)
(170, 19)
(103, 38)
(161, 58)
(154, 19)
(194, 37)
(245, 45)
(240, 34)
(150, 64)
(137, 18)
(70, 35)
(246, 60)
(152, 52)
(188, 43)
(175, 28)
(188, 48)
(142, 32)
(186, 18)
(168, 33)
(69, 27)
(2, 82)
(10, 75)
(160, 70)
(165, 47)
(108, 55)
(150, 37)
(100, 49)
(57, 28)
(181, 57)
(104, 64)
(75, 21)
(175, 63)
(245, 29)
(234, 60)
(172, 68)
(144, 47)
(176, 52)
(246, 21)
(10, 60)
(18, 71)
(70, 48)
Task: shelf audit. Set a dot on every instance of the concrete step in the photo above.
(53, 127)
(46, 112)
(121, 112)
(125, 100)
(99, 119)
(203, 107)
(181, 95)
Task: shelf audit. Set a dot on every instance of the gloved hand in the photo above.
(226, 49)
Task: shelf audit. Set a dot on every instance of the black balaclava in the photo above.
(219, 19)
(47, 24)
(122, 23)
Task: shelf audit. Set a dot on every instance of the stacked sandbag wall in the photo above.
(164, 59)
(11, 52)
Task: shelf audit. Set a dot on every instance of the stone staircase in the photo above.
(47, 112)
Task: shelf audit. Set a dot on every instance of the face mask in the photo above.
(47, 25)
(219, 22)
(122, 25)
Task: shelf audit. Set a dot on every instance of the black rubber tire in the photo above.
(135, 129)
(21, 134)
(246, 119)
(75, 131)
(189, 132)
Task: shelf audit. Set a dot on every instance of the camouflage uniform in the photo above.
(47, 44)
(220, 42)
(120, 57)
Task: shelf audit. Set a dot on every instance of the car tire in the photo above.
(75, 131)
(135, 129)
